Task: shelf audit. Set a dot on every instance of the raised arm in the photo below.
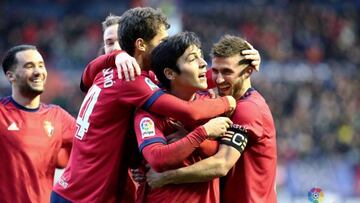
(125, 64)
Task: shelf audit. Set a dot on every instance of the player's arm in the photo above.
(162, 156)
(68, 130)
(123, 61)
(207, 147)
(191, 111)
(232, 145)
(62, 157)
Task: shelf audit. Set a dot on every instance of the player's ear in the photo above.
(169, 74)
(247, 72)
(140, 44)
(10, 75)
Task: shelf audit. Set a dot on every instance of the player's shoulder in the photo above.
(141, 86)
(146, 80)
(141, 113)
(52, 108)
(251, 98)
(5, 100)
(249, 105)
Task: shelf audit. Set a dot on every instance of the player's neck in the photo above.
(182, 93)
(28, 102)
(246, 85)
(140, 59)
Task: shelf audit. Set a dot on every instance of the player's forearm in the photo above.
(189, 112)
(205, 170)
(163, 157)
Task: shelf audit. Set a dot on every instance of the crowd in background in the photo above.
(310, 53)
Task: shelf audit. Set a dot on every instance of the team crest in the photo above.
(147, 127)
(151, 84)
(49, 128)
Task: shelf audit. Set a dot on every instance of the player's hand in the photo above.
(127, 64)
(155, 179)
(232, 103)
(217, 127)
(138, 175)
(252, 54)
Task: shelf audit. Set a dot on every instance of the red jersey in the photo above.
(100, 149)
(252, 179)
(30, 141)
(151, 131)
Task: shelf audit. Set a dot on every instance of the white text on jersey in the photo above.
(108, 75)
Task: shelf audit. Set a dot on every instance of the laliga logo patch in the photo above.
(151, 84)
(147, 127)
(49, 129)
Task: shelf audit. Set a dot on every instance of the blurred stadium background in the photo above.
(309, 74)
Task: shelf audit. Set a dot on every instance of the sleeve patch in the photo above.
(147, 127)
(151, 84)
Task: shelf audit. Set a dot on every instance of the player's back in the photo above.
(100, 145)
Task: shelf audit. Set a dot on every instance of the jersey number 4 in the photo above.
(87, 106)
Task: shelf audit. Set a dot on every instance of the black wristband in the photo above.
(236, 136)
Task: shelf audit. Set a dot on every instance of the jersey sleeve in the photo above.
(189, 112)
(141, 92)
(94, 67)
(152, 143)
(68, 130)
(247, 115)
(208, 148)
(146, 130)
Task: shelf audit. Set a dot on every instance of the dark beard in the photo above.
(29, 92)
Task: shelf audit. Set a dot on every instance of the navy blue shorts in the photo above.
(56, 198)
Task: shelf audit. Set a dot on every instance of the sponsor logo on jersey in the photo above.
(13, 127)
(49, 128)
(151, 84)
(147, 127)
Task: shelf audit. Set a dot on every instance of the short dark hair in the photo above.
(110, 20)
(139, 23)
(228, 46)
(9, 60)
(166, 54)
